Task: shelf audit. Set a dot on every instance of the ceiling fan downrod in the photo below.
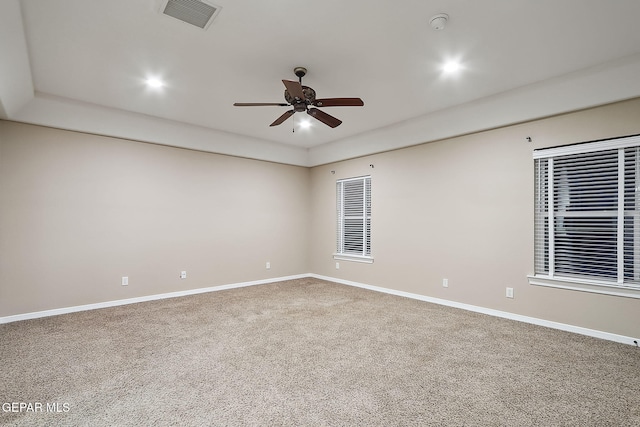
(300, 72)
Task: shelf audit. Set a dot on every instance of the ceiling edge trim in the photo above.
(16, 84)
(571, 92)
(62, 113)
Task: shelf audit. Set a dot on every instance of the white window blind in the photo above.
(354, 217)
(587, 213)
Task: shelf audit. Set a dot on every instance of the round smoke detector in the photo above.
(439, 21)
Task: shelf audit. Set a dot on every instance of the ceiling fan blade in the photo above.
(294, 88)
(339, 102)
(258, 104)
(324, 117)
(283, 117)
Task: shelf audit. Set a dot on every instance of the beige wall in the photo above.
(462, 209)
(78, 212)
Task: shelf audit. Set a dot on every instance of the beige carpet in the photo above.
(310, 353)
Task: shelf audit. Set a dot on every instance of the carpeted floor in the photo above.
(309, 353)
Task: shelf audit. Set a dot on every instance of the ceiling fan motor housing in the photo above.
(309, 94)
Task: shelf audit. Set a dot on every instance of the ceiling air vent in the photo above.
(192, 12)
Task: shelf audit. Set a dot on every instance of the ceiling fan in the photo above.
(303, 98)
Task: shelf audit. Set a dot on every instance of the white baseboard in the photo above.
(497, 313)
(57, 311)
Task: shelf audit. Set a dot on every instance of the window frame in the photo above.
(617, 287)
(365, 255)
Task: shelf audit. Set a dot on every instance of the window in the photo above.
(353, 241)
(587, 217)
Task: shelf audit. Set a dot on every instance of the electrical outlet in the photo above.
(445, 283)
(337, 266)
(125, 281)
(183, 274)
(268, 265)
(509, 292)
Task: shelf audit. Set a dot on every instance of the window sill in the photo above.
(355, 258)
(592, 286)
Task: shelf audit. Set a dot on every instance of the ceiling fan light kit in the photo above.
(303, 99)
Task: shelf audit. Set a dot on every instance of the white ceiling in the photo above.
(81, 65)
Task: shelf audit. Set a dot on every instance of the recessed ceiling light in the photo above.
(451, 67)
(154, 82)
